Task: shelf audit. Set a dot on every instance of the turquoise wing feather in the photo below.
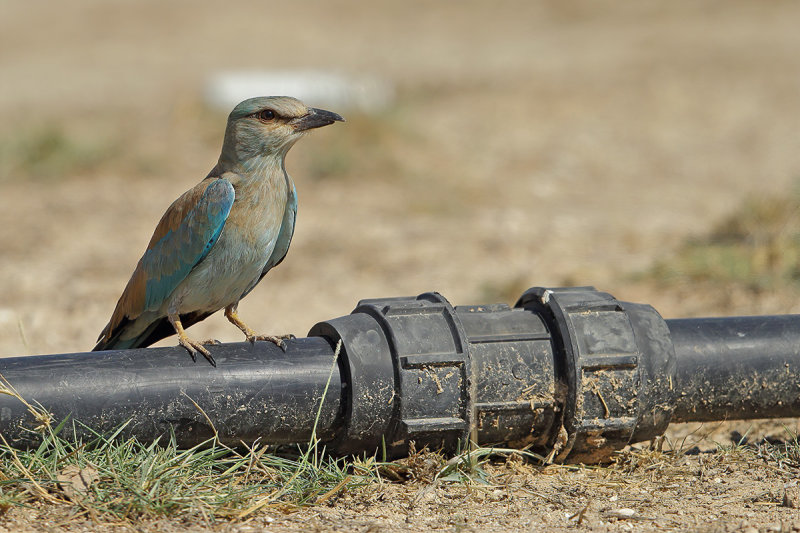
(185, 235)
(169, 260)
(286, 232)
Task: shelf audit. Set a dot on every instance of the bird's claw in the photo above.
(277, 340)
(193, 347)
(211, 342)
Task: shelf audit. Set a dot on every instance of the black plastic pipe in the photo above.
(257, 391)
(736, 367)
(571, 373)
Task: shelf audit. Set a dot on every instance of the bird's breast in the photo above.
(256, 215)
(237, 259)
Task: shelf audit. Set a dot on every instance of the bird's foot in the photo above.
(193, 347)
(275, 339)
(211, 342)
(252, 336)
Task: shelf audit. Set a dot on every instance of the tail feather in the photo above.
(154, 332)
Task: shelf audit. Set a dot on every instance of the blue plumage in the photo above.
(219, 239)
(180, 250)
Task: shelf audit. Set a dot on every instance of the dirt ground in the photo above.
(530, 143)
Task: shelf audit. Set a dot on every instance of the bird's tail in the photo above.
(123, 338)
(117, 340)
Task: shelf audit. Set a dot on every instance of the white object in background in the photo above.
(316, 88)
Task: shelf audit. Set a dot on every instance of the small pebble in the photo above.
(622, 514)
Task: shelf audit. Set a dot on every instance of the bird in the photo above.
(220, 238)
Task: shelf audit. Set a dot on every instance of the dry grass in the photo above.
(755, 248)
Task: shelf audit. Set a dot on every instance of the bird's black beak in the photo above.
(316, 118)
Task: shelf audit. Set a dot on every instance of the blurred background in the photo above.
(651, 149)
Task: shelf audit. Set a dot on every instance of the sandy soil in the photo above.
(530, 144)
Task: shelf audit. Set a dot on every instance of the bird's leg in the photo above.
(192, 346)
(232, 315)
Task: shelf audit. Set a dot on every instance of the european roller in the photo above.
(221, 237)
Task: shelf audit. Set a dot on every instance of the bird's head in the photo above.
(267, 126)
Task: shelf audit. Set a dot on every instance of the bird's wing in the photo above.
(286, 232)
(284, 237)
(183, 237)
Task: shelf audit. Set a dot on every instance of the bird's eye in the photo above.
(266, 115)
